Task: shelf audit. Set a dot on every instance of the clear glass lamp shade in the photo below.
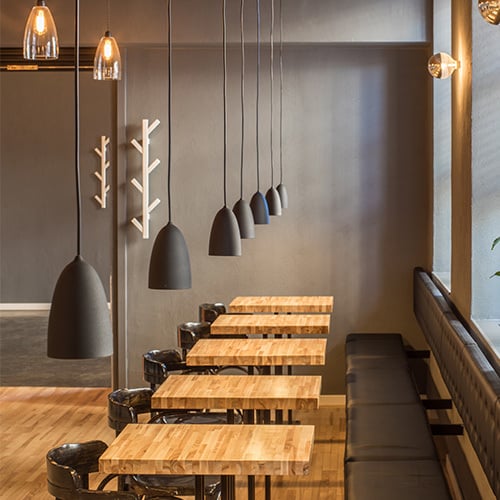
(107, 60)
(442, 65)
(490, 10)
(40, 34)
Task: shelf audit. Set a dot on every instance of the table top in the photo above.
(245, 392)
(273, 324)
(257, 352)
(210, 449)
(282, 304)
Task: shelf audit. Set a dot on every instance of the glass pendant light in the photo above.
(282, 191)
(258, 203)
(490, 10)
(272, 196)
(241, 208)
(40, 34)
(225, 237)
(79, 320)
(107, 60)
(169, 266)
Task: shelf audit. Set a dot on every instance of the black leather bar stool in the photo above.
(159, 363)
(208, 312)
(189, 333)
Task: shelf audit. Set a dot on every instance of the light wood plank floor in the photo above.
(35, 419)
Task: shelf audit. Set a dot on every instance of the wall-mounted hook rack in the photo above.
(102, 153)
(143, 188)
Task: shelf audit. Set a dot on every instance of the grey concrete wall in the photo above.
(38, 207)
(356, 156)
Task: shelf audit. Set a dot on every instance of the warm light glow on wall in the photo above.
(442, 65)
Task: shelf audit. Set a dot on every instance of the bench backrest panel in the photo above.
(472, 382)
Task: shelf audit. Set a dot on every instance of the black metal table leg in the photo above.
(199, 488)
(279, 416)
(268, 487)
(251, 487)
(248, 417)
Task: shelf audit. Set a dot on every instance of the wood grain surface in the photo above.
(272, 324)
(282, 304)
(210, 449)
(35, 419)
(257, 352)
(245, 392)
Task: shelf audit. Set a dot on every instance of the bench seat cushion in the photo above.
(388, 432)
(380, 386)
(368, 351)
(408, 480)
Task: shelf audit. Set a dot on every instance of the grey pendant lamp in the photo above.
(241, 208)
(258, 203)
(79, 320)
(272, 196)
(225, 237)
(282, 191)
(169, 265)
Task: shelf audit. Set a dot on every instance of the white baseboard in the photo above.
(25, 306)
(332, 400)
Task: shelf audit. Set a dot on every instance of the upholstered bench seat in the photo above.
(380, 386)
(388, 432)
(401, 480)
(374, 344)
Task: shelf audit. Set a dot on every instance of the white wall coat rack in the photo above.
(143, 188)
(102, 153)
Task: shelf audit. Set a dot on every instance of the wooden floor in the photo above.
(35, 419)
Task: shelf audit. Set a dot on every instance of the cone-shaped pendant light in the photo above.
(169, 266)
(258, 203)
(40, 34)
(281, 187)
(107, 60)
(79, 320)
(225, 237)
(241, 208)
(272, 196)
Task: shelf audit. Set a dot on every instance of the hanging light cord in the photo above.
(77, 128)
(281, 91)
(258, 94)
(169, 158)
(224, 93)
(108, 17)
(242, 33)
(271, 71)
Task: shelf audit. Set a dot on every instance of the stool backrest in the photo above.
(209, 312)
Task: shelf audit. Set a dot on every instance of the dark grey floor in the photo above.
(24, 361)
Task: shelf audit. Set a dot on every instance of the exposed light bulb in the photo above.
(108, 49)
(442, 65)
(40, 23)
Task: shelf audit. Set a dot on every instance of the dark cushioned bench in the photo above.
(471, 378)
(390, 454)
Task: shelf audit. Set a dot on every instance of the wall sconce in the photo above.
(442, 65)
(490, 10)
